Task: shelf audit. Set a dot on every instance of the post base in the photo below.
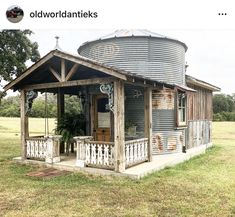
(80, 163)
(52, 160)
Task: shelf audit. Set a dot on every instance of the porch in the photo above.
(88, 153)
(158, 162)
(109, 98)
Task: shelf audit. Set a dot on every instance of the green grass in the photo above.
(203, 186)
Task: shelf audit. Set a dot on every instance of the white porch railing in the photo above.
(136, 151)
(94, 153)
(36, 148)
(100, 154)
(44, 148)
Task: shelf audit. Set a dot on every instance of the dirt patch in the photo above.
(48, 173)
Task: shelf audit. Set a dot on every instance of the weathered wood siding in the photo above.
(198, 133)
(199, 104)
(199, 113)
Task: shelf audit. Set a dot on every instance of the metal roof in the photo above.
(132, 32)
(121, 33)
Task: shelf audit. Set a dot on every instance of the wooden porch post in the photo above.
(60, 104)
(60, 112)
(148, 119)
(24, 123)
(119, 132)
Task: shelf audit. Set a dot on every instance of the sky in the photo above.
(210, 37)
(210, 54)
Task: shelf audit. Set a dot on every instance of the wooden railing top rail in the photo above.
(135, 140)
(36, 138)
(100, 142)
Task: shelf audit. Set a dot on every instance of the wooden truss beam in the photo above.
(72, 71)
(68, 83)
(97, 67)
(55, 73)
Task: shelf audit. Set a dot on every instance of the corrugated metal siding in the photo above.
(199, 133)
(134, 106)
(163, 99)
(167, 142)
(163, 120)
(163, 110)
(156, 58)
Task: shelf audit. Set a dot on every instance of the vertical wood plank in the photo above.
(24, 123)
(60, 112)
(60, 104)
(148, 119)
(119, 134)
(62, 70)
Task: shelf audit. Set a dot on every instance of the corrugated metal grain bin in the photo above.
(142, 52)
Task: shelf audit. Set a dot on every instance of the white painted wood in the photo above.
(106, 155)
(131, 153)
(36, 149)
(127, 154)
(43, 148)
(100, 155)
(88, 153)
(136, 151)
(93, 153)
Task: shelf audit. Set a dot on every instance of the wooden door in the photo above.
(102, 119)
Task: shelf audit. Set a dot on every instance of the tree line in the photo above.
(224, 107)
(10, 106)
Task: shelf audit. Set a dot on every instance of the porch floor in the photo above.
(159, 162)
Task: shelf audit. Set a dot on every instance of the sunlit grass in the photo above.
(203, 186)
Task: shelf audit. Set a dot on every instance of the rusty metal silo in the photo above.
(142, 52)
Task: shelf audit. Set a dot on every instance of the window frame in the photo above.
(181, 103)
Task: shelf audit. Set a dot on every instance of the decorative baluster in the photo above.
(146, 148)
(32, 149)
(100, 157)
(142, 150)
(139, 150)
(106, 154)
(127, 154)
(40, 149)
(44, 148)
(135, 152)
(36, 148)
(88, 153)
(131, 153)
(28, 148)
(111, 158)
(93, 153)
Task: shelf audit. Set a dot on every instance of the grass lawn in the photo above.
(203, 186)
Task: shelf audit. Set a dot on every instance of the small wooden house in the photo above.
(136, 77)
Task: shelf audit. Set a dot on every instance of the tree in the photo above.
(223, 103)
(15, 50)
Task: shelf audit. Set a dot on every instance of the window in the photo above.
(181, 109)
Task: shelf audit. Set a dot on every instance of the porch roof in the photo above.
(194, 81)
(79, 68)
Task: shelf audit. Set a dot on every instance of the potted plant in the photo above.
(69, 126)
(130, 128)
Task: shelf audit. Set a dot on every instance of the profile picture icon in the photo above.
(14, 14)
